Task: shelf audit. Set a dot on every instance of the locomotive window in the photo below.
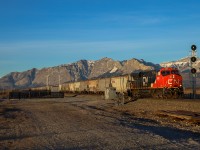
(175, 72)
(165, 73)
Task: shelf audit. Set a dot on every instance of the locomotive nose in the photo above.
(174, 81)
(177, 82)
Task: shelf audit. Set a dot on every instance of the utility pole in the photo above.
(47, 80)
(50, 74)
(59, 79)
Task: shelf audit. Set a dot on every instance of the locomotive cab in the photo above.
(168, 78)
(168, 84)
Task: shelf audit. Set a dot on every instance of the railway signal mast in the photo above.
(193, 70)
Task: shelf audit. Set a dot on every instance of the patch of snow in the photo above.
(172, 64)
(182, 64)
(114, 69)
(91, 62)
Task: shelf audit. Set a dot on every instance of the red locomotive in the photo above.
(168, 78)
(167, 83)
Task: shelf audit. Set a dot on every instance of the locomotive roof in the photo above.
(169, 68)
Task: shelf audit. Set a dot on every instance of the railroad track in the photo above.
(182, 115)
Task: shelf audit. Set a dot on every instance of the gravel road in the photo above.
(88, 122)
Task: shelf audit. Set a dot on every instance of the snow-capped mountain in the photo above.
(184, 64)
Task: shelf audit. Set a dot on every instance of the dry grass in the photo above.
(189, 90)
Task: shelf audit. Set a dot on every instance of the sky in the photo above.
(46, 33)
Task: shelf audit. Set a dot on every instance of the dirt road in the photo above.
(84, 123)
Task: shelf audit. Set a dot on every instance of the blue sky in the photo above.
(43, 33)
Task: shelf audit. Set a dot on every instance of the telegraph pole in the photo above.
(59, 80)
(193, 70)
(47, 80)
(49, 75)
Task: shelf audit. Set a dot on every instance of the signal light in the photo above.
(193, 47)
(193, 70)
(193, 59)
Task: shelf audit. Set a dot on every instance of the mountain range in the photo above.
(85, 69)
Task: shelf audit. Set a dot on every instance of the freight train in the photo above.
(165, 83)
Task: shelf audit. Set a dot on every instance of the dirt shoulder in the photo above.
(155, 109)
(89, 122)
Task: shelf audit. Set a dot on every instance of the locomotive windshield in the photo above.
(165, 73)
(175, 72)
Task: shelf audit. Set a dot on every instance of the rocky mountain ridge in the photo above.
(80, 70)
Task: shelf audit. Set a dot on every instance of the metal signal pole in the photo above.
(193, 70)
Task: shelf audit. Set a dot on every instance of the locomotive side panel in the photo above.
(143, 79)
(148, 78)
(140, 85)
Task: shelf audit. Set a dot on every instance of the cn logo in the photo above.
(170, 81)
(145, 81)
(176, 81)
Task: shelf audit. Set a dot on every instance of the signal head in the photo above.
(193, 47)
(193, 70)
(193, 59)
